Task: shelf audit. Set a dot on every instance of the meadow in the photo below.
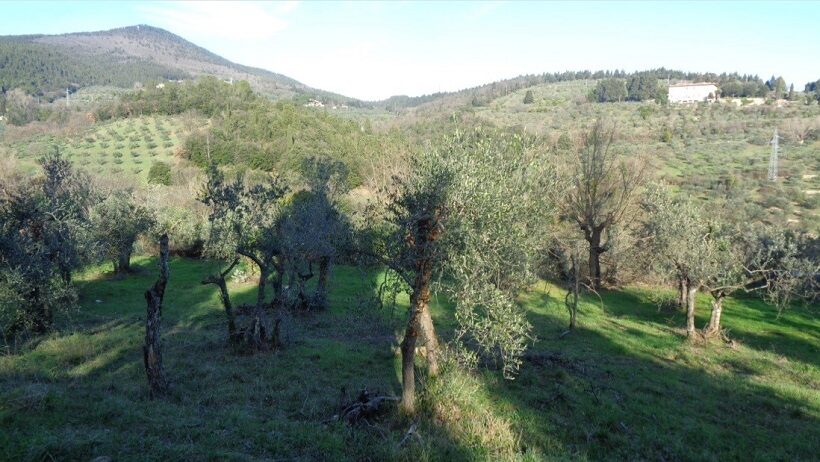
(625, 385)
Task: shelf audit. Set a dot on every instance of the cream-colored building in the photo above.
(692, 92)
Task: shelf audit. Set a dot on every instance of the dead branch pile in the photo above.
(366, 406)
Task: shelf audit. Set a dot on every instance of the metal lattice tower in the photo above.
(774, 158)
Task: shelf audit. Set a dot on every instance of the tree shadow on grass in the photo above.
(609, 402)
(792, 334)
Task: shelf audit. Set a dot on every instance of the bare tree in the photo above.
(152, 350)
(597, 188)
(798, 130)
(563, 262)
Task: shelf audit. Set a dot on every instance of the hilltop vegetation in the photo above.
(42, 69)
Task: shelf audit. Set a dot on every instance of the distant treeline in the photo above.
(47, 71)
(636, 86)
(642, 86)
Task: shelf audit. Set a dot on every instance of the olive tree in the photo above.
(245, 220)
(45, 234)
(596, 189)
(563, 262)
(462, 222)
(683, 241)
(118, 221)
(760, 260)
(313, 229)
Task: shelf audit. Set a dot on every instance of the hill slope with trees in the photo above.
(48, 64)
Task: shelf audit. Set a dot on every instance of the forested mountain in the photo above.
(48, 64)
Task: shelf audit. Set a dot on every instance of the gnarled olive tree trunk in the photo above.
(123, 262)
(151, 351)
(419, 322)
(683, 292)
(321, 284)
(418, 302)
(717, 309)
(690, 309)
(219, 281)
(593, 237)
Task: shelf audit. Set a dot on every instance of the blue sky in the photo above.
(372, 50)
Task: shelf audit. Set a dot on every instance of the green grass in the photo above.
(625, 385)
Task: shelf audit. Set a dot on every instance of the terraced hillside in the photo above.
(125, 147)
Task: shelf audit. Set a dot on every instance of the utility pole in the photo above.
(67, 97)
(774, 158)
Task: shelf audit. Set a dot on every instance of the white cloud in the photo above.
(234, 21)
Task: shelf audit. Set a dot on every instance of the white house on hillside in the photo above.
(692, 92)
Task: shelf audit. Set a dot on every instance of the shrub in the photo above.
(159, 173)
(185, 226)
(666, 135)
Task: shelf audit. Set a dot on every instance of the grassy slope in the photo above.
(124, 147)
(624, 386)
(721, 141)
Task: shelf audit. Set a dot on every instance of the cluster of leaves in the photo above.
(52, 225)
(280, 232)
(721, 256)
